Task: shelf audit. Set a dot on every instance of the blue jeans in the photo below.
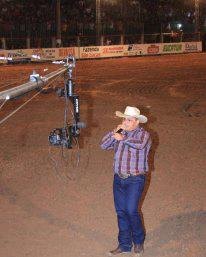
(127, 194)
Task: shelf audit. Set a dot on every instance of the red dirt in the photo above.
(68, 211)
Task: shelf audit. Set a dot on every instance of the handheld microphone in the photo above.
(119, 131)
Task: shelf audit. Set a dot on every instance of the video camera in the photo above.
(66, 135)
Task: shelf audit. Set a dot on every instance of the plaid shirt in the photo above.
(131, 153)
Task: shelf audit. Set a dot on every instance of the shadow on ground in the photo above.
(176, 234)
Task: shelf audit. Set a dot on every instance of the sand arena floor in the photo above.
(50, 208)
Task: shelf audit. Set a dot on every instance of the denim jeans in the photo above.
(127, 194)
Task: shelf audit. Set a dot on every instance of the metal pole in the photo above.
(28, 42)
(122, 32)
(98, 21)
(58, 22)
(27, 87)
(3, 42)
(161, 34)
(197, 16)
(139, 9)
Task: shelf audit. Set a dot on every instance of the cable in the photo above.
(58, 174)
(53, 160)
(68, 94)
(67, 108)
(29, 100)
(78, 152)
(3, 103)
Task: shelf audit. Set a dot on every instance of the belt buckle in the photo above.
(124, 176)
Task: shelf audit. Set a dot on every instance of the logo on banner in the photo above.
(45, 53)
(63, 52)
(153, 49)
(112, 49)
(49, 53)
(16, 54)
(172, 48)
(3, 58)
(90, 52)
(191, 47)
(90, 49)
(134, 49)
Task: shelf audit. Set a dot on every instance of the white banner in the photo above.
(192, 47)
(101, 51)
(90, 52)
(3, 56)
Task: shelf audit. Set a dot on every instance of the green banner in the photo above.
(172, 48)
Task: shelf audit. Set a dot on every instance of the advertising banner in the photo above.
(44, 54)
(90, 52)
(66, 51)
(192, 47)
(3, 56)
(101, 51)
(112, 51)
(172, 48)
(134, 50)
(153, 49)
(19, 55)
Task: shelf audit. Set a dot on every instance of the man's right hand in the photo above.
(118, 136)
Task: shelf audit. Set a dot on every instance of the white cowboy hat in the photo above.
(132, 112)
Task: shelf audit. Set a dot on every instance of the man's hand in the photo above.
(121, 126)
(118, 136)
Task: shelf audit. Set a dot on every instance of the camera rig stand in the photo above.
(68, 134)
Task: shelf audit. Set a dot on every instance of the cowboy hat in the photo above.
(132, 112)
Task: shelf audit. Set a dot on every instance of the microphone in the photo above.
(119, 131)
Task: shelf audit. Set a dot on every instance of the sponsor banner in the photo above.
(3, 56)
(50, 54)
(65, 51)
(19, 53)
(90, 52)
(192, 47)
(44, 54)
(112, 51)
(101, 51)
(172, 48)
(40, 54)
(18, 56)
(153, 49)
(134, 50)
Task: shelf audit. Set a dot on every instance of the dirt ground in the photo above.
(51, 208)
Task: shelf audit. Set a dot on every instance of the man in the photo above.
(131, 145)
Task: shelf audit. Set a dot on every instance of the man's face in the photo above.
(130, 124)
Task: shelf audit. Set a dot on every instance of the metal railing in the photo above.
(48, 41)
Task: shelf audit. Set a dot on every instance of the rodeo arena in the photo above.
(69, 71)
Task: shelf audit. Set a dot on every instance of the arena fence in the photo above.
(88, 52)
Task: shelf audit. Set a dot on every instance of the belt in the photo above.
(124, 176)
